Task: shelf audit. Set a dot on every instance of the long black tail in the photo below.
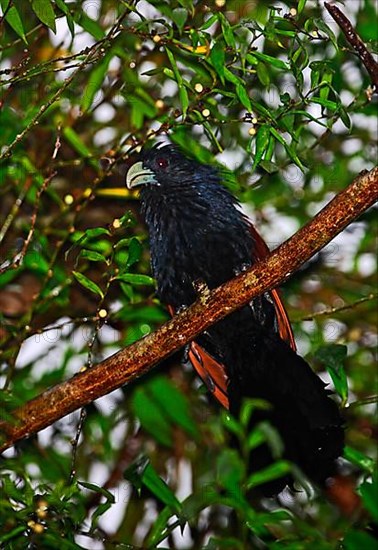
(307, 419)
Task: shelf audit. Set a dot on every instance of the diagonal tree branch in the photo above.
(355, 41)
(142, 356)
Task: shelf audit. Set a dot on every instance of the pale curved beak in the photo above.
(137, 175)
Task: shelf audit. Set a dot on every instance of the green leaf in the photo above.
(151, 417)
(263, 74)
(273, 438)
(227, 31)
(96, 232)
(12, 534)
(184, 99)
(134, 252)
(261, 110)
(183, 94)
(45, 12)
(248, 407)
(328, 104)
(209, 22)
(136, 279)
(359, 540)
(301, 5)
(269, 166)
(100, 508)
(231, 77)
(269, 60)
(290, 150)
(89, 235)
(70, 22)
(255, 439)
(322, 26)
(13, 19)
(92, 256)
(188, 4)
(142, 472)
(345, 117)
(87, 283)
(262, 142)
(358, 458)
(217, 58)
(325, 85)
(36, 262)
(244, 97)
(211, 135)
(88, 24)
(160, 528)
(230, 470)
(173, 403)
(76, 142)
(160, 489)
(232, 425)
(333, 357)
(8, 276)
(274, 471)
(299, 60)
(95, 81)
(179, 16)
(369, 494)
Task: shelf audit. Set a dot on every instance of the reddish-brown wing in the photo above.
(212, 372)
(261, 251)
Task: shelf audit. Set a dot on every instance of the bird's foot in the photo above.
(202, 290)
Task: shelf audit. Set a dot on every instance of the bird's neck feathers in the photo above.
(193, 199)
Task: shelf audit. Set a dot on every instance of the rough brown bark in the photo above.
(355, 41)
(140, 357)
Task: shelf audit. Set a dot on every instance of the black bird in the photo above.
(199, 235)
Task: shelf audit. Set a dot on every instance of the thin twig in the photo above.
(58, 143)
(332, 310)
(75, 443)
(355, 41)
(19, 40)
(6, 11)
(371, 400)
(18, 259)
(12, 214)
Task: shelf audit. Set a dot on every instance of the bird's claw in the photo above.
(201, 289)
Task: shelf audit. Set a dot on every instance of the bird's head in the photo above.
(166, 167)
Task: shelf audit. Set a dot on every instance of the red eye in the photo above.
(162, 162)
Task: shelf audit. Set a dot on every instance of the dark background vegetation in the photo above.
(274, 91)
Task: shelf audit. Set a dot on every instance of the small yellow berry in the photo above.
(102, 313)
(38, 528)
(68, 199)
(198, 88)
(293, 12)
(156, 38)
(206, 113)
(116, 223)
(42, 513)
(252, 131)
(159, 103)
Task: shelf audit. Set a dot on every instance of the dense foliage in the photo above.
(272, 90)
